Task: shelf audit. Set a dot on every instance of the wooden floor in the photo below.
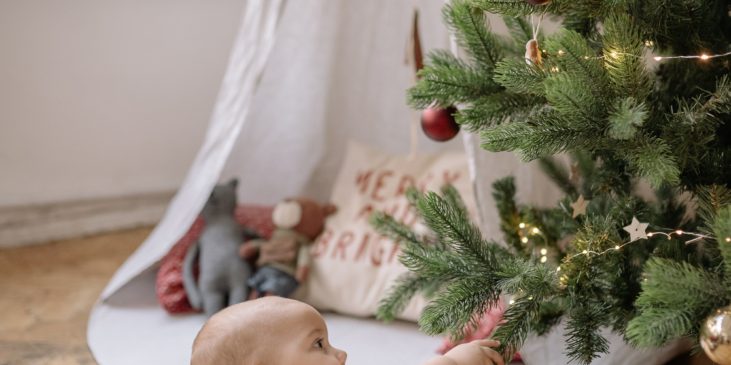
(47, 291)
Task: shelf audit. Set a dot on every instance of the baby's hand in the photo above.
(477, 352)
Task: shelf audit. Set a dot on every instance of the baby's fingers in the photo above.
(496, 358)
(488, 343)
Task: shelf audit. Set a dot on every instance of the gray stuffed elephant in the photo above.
(223, 275)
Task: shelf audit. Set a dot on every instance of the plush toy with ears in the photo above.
(223, 274)
(298, 219)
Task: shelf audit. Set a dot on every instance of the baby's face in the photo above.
(306, 341)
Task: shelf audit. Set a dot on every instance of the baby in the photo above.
(279, 331)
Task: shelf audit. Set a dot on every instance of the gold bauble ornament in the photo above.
(716, 336)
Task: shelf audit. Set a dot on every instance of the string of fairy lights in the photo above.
(636, 229)
(615, 54)
(525, 231)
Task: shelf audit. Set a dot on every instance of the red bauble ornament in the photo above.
(538, 2)
(438, 123)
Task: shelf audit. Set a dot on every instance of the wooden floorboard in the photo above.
(47, 291)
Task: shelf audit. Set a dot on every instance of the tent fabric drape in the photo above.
(286, 109)
(247, 61)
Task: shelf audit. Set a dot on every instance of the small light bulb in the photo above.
(585, 252)
(544, 259)
(614, 54)
(512, 302)
(560, 52)
(617, 247)
(530, 297)
(536, 230)
(728, 239)
(678, 232)
(586, 57)
(524, 240)
(521, 225)
(657, 58)
(558, 269)
(544, 251)
(705, 57)
(650, 234)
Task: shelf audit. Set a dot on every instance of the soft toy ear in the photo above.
(234, 183)
(329, 209)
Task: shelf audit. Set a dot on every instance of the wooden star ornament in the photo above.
(637, 230)
(579, 206)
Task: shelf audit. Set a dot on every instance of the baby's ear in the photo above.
(329, 209)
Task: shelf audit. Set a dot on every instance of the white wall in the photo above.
(105, 98)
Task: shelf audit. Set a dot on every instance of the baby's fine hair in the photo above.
(238, 334)
(217, 344)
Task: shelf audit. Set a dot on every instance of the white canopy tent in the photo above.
(304, 78)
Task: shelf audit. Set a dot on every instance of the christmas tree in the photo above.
(634, 91)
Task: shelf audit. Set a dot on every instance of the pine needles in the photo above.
(595, 97)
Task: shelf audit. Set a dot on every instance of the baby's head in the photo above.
(266, 331)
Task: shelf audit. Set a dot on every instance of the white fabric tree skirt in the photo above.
(132, 328)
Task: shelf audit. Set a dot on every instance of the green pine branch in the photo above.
(517, 324)
(406, 286)
(448, 80)
(545, 134)
(626, 118)
(387, 225)
(496, 109)
(675, 298)
(583, 338)
(722, 231)
(653, 159)
(623, 58)
(472, 31)
(456, 228)
(503, 192)
(711, 199)
(458, 305)
(520, 77)
(514, 7)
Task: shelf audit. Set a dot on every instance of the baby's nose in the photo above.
(341, 355)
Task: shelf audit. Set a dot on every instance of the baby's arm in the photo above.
(477, 352)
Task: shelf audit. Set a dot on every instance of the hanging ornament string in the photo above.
(532, 48)
(414, 56)
(437, 122)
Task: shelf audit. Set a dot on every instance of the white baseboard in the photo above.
(25, 225)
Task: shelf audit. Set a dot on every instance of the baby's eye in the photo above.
(319, 343)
